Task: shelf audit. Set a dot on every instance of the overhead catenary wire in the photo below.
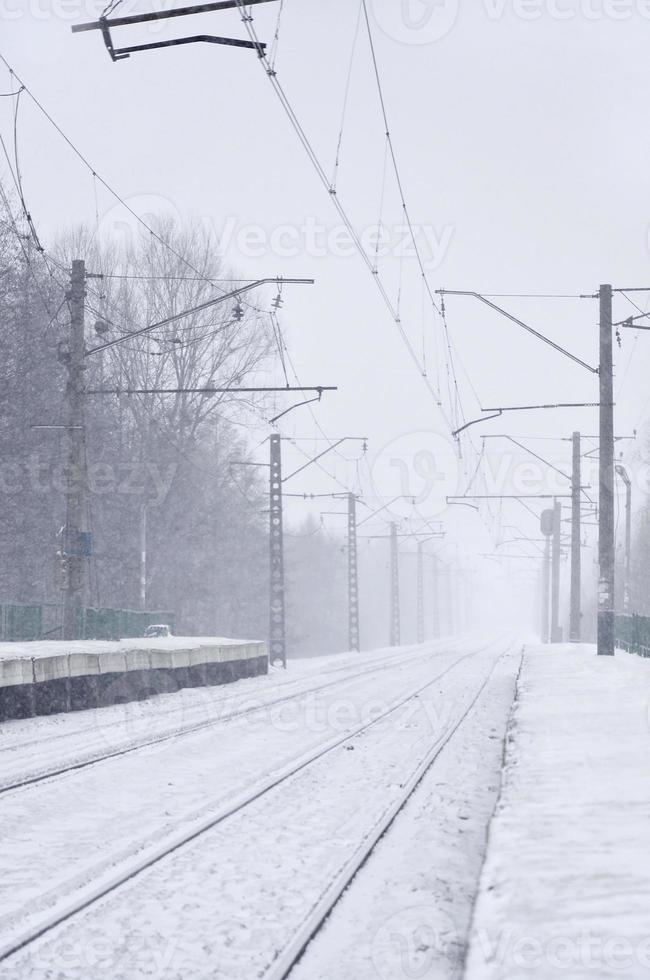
(418, 253)
(276, 35)
(28, 262)
(111, 190)
(320, 171)
(346, 99)
(97, 177)
(624, 375)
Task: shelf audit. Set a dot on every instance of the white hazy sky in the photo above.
(521, 133)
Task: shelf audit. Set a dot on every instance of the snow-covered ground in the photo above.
(225, 904)
(407, 914)
(565, 891)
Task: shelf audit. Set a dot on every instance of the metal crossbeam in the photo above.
(104, 25)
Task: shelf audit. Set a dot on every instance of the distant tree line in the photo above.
(160, 462)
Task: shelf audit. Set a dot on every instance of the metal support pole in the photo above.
(420, 594)
(606, 542)
(546, 591)
(575, 625)
(353, 576)
(394, 588)
(277, 637)
(74, 546)
(628, 546)
(622, 472)
(556, 629)
(143, 557)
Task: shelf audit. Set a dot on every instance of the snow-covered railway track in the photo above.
(111, 880)
(300, 687)
(291, 955)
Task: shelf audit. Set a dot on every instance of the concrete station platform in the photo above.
(565, 890)
(49, 677)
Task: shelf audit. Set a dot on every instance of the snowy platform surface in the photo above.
(565, 890)
(37, 649)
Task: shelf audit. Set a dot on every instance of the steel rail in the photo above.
(387, 663)
(111, 881)
(296, 948)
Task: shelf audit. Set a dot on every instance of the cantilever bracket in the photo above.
(117, 54)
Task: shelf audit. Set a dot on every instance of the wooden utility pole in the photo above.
(277, 637)
(354, 638)
(394, 588)
(74, 540)
(575, 617)
(606, 535)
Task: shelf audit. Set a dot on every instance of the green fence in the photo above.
(43, 621)
(633, 634)
(21, 622)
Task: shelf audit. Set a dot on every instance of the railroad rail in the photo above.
(112, 880)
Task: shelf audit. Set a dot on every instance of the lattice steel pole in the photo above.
(353, 576)
(394, 588)
(420, 593)
(277, 637)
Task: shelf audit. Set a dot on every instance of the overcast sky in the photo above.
(520, 130)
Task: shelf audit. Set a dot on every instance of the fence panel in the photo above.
(20, 621)
(633, 634)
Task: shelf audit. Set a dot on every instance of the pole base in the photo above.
(606, 633)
